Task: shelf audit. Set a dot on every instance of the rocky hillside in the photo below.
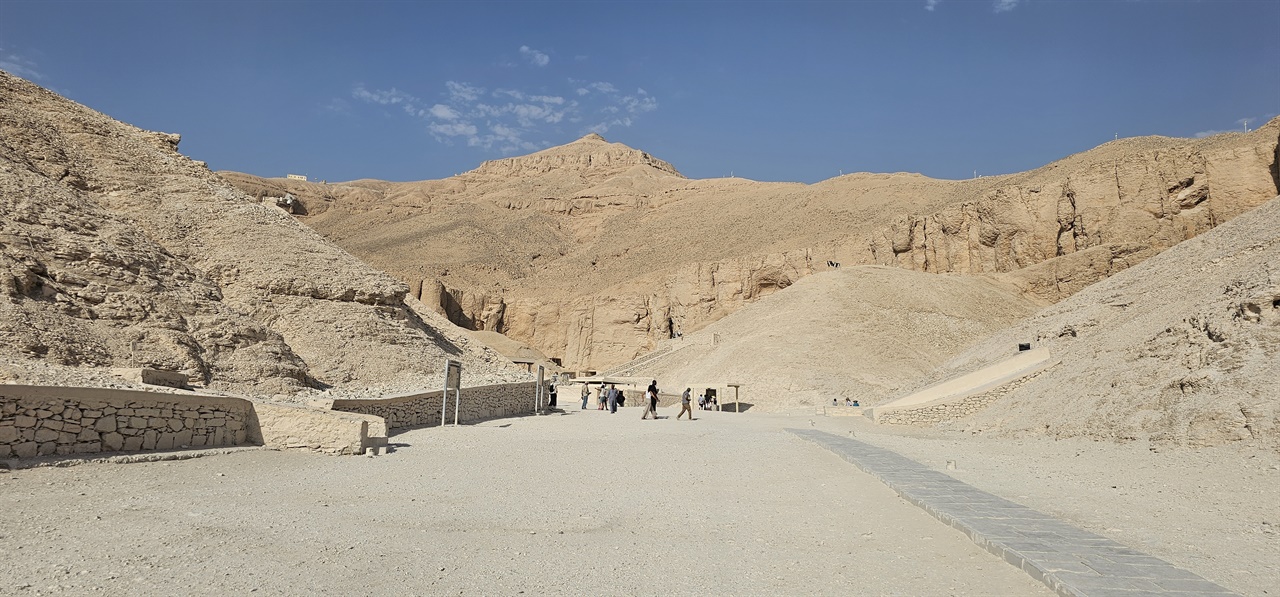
(594, 252)
(1184, 347)
(118, 251)
(861, 332)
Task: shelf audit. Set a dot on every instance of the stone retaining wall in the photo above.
(422, 409)
(928, 414)
(49, 421)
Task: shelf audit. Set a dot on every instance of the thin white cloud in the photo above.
(534, 56)
(443, 112)
(17, 65)
(511, 120)
(386, 98)
(463, 92)
(929, 5)
(1006, 5)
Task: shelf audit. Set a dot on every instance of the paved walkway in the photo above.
(1068, 560)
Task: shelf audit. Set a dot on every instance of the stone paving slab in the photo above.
(1071, 561)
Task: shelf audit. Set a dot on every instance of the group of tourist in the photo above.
(611, 398)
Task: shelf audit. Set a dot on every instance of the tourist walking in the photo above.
(651, 401)
(685, 401)
(552, 393)
(586, 394)
(613, 399)
(601, 396)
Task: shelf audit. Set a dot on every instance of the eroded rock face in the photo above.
(117, 251)
(592, 252)
(1098, 216)
(627, 320)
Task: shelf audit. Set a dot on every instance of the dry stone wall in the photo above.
(48, 421)
(941, 412)
(423, 409)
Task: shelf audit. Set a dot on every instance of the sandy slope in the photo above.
(857, 332)
(1184, 347)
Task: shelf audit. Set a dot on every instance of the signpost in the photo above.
(452, 379)
(537, 395)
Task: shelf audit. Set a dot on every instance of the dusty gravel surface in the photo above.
(1213, 511)
(579, 503)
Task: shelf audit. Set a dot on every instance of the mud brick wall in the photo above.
(50, 421)
(478, 403)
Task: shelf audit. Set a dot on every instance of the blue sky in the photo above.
(795, 91)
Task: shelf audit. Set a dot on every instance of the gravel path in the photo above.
(579, 503)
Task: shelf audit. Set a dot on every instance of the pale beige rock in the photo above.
(120, 252)
(593, 252)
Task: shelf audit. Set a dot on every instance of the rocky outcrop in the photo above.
(591, 157)
(592, 251)
(117, 251)
(1183, 347)
(624, 321)
(1091, 215)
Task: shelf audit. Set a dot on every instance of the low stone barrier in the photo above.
(52, 421)
(291, 426)
(948, 410)
(423, 409)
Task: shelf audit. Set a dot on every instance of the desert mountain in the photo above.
(1184, 347)
(594, 252)
(861, 332)
(118, 251)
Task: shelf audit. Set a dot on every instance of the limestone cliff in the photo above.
(593, 252)
(116, 250)
(1097, 212)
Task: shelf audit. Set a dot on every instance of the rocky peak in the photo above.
(591, 158)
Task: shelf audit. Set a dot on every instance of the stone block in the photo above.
(197, 440)
(5, 451)
(88, 435)
(8, 408)
(43, 414)
(149, 438)
(71, 414)
(93, 413)
(132, 444)
(189, 422)
(65, 438)
(147, 412)
(88, 447)
(113, 441)
(51, 424)
(182, 438)
(105, 424)
(9, 434)
(64, 449)
(175, 424)
(106, 410)
(137, 422)
(46, 448)
(25, 450)
(46, 435)
(157, 423)
(71, 428)
(165, 442)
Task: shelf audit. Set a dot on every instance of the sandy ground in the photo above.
(1213, 511)
(579, 503)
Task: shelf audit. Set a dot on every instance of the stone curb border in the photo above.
(1070, 561)
(15, 464)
